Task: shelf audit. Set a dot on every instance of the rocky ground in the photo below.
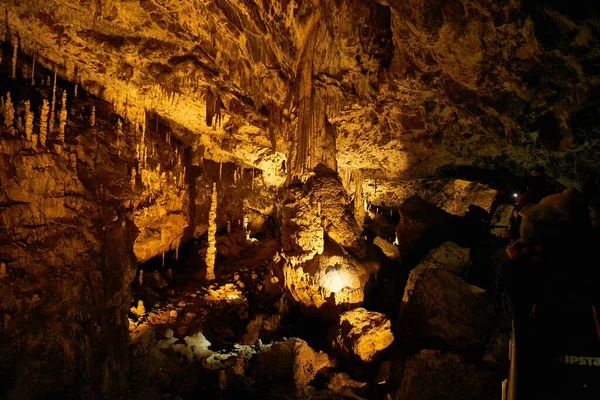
(242, 335)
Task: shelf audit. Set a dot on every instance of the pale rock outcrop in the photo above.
(389, 249)
(434, 375)
(361, 334)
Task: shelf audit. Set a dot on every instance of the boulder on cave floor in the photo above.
(448, 257)
(447, 313)
(434, 375)
(361, 334)
(422, 224)
(292, 362)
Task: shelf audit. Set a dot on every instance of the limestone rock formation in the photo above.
(390, 250)
(448, 257)
(453, 196)
(434, 375)
(329, 282)
(292, 362)
(362, 334)
(212, 230)
(447, 313)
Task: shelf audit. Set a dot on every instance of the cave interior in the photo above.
(293, 199)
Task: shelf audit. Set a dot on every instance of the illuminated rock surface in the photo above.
(361, 333)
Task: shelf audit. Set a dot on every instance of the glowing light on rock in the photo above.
(335, 279)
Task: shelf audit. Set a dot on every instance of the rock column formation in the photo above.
(211, 252)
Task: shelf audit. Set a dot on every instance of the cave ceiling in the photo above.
(400, 87)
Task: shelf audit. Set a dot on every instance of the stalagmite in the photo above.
(62, 117)
(228, 226)
(212, 230)
(9, 114)
(15, 43)
(93, 117)
(44, 123)
(140, 279)
(19, 126)
(2, 270)
(52, 106)
(28, 121)
(73, 161)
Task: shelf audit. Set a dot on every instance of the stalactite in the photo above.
(9, 115)
(62, 117)
(28, 121)
(15, 43)
(177, 250)
(220, 171)
(75, 90)
(33, 70)
(252, 185)
(93, 117)
(52, 106)
(210, 106)
(228, 226)
(274, 125)
(212, 230)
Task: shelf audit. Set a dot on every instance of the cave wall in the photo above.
(86, 195)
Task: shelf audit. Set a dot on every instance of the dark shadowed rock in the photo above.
(447, 313)
(434, 375)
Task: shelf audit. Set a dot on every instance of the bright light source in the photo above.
(232, 297)
(515, 195)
